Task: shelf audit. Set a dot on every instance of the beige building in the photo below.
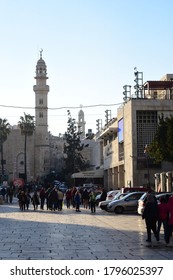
(42, 147)
(44, 151)
(125, 137)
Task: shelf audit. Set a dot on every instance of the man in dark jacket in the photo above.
(150, 215)
(103, 195)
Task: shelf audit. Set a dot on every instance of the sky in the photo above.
(90, 47)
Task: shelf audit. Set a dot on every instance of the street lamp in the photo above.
(147, 162)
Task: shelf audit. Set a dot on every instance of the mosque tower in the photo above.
(41, 89)
(81, 124)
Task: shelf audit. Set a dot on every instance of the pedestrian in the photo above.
(60, 199)
(68, 198)
(92, 201)
(28, 199)
(77, 199)
(170, 220)
(42, 198)
(73, 192)
(103, 195)
(22, 200)
(53, 199)
(35, 200)
(85, 198)
(162, 216)
(150, 215)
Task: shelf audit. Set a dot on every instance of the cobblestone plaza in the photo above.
(67, 235)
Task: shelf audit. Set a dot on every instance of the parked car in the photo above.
(142, 200)
(127, 203)
(111, 194)
(103, 204)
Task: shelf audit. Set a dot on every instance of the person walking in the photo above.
(77, 199)
(92, 201)
(73, 192)
(85, 198)
(42, 198)
(68, 198)
(170, 220)
(103, 195)
(150, 215)
(60, 199)
(162, 216)
(28, 199)
(35, 200)
(53, 199)
(22, 200)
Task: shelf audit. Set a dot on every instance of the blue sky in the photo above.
(90, 47)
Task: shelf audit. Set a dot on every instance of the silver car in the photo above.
(127, 203)
(103, 204)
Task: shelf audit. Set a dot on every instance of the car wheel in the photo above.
(119, 210)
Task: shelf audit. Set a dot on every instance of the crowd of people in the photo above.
(158, 214)
(52, 198)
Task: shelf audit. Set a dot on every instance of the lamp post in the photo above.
(147, 162)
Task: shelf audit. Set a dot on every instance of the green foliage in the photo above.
(27, 127)
(4, 130)
(27, 124)
(162, 146)
(74, 161)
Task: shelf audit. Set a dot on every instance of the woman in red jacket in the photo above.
(170, 219)
(162, 215)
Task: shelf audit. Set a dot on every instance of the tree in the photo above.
(74, 161)
(4, 131)
(27, 127)
(161, 149)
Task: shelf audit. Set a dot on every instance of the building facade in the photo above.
(126, 138)
(38, 145)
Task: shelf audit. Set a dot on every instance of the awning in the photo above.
(89, 174)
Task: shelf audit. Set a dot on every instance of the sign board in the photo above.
(89, 174)
(18, 182)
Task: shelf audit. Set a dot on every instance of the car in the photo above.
(111, 194)
(142, 200)
(103, 204)
(127, 203)
(109, 197)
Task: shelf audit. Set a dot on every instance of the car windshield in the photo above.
(119, 196)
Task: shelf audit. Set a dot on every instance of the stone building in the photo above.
(41, 146)
(126, 137)
(44, 151)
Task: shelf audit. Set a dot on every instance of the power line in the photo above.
(60, 108)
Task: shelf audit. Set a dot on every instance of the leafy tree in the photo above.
(4, 131)
(74, 161)
(27, 127)
(161, 149)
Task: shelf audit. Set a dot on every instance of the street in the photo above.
(69, 235)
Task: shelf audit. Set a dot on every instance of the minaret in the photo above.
(81, 124)
(41, 89)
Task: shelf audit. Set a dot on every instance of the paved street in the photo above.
(68, 235)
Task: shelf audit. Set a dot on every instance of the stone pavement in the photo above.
(68, 235)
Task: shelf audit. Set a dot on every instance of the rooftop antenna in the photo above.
(138, 83)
